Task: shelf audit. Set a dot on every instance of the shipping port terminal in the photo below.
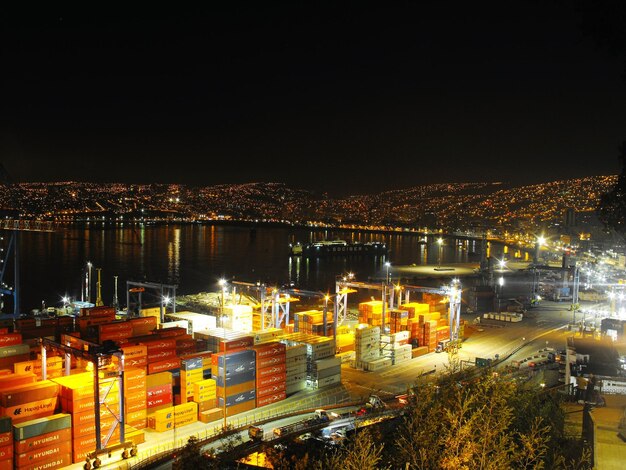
(127, 390)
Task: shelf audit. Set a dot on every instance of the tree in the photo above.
(191, 457)
(484, 422)
(361, 453)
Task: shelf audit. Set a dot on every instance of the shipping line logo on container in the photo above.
(54, 464)
(33, 409)
(44, 453)
(241, 368)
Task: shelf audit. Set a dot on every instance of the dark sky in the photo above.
(344, 97)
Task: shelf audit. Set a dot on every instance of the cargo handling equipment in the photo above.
(105, 376)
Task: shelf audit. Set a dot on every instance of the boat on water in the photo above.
(337, 248)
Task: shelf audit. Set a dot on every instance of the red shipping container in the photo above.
(271, 389)
(271, 379)
(162, 366)
(100, 310)
(272, 370)
(159, 344)
(268, 399)
(10, 339)
(6, 438)
(144, 322)
(166, 399)
(120, 337)
(185, 343)
(269, 349)
(267, 361)
(185, 351)
(6, 454)
(161, 355)
(115, 327)
(238, 343)
(170, 332)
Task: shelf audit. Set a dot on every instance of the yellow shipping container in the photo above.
(160, 378)
(345, 339)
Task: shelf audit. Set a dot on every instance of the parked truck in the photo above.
(320, 416)
(255, 433)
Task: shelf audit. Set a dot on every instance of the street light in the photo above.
(89, 265)
(222, 283)
(387, 265)
(440, 242)
(540, 241)
(502, 264)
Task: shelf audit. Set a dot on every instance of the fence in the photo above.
(163, 451)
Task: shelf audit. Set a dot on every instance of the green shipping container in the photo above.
(5, 424)
(37, 427)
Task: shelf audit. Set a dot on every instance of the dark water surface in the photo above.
(194, 257)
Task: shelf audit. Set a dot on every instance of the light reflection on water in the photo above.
(195, 256)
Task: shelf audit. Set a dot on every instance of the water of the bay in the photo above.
(195, 256)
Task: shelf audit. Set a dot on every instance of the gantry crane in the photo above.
(107, 372)
(273, 303)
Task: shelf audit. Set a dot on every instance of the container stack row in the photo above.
(312, 322)
(366, 345)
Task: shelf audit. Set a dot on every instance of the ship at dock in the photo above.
(326, 248)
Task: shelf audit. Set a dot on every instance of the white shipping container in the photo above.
(294, 351)
(399, 360)
(320, 374)
(400, 336)
(325, 382)
(370, 356)
(296, 369)
(291, 379)
(378, 364)
(326, 363)
(296, 387)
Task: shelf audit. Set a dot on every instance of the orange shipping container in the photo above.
(6, 454)
(236, 409)
(31, 410)
(6, 438)
(52, 363)
(58, 461)
(7, 382)
(43, 440)
(43, 454)
(136, 350)
(234, 389)
(29, 393)
(135, 404)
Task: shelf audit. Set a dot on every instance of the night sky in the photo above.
(344, 97)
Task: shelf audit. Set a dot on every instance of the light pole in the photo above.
(440, 243)
(541, 240)
(501, 284)
(88, 286)
(222, 283)
(387, 265)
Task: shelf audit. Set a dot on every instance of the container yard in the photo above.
(73, 388)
